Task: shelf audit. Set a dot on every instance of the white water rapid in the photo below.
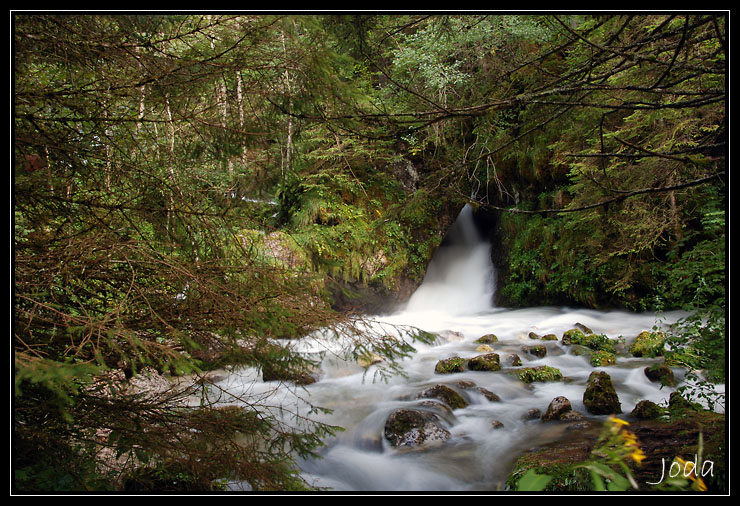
(456, 295)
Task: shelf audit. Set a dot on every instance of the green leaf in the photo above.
(533, 482)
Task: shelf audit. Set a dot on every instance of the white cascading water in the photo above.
(456, 295)
(460, 277)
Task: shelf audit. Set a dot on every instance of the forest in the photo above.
(190, 189)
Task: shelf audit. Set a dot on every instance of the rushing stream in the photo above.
(457, 296)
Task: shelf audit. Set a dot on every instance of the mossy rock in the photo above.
(542, 373)
(487, 339)
(648, 344)
(647, 410)
(592, 341)
(538, 351)
(414, 427)
(446, 394)
(450, 365)
(549, 337)
(558, 407)
(573, 336)
(487, 362)
(600, 397)
(601, 358)
(514, 360)
(660, 373)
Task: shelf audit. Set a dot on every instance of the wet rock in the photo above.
(660, 373)
(600, 397)
(446, 394)
(497, 424)
(601, 358)
(538, 351)
(412, 427)
(450, 365)
(488, 394)
(549, 337)
(514, 360)
(487, 362)
(647, 410)
(487, 339)
(541, 373)
(583, 328)
(572, 336)
(469, 385)
(367, 359)
(532, 414)
(648, 344)
(534, 335)
(484, 348)
(558, 407)
(572, 416)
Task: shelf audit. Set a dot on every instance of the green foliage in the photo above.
(543, 373)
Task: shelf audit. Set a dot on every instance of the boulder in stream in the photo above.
(487, 362)
(648, 344)
(557, 408)
(450, 365)
(444, 393)
(542, 373)
(538, 351)
(660, 373)
(487, 339)
(414, 427)
(600, 397)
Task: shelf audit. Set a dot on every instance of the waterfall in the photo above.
(460, 278)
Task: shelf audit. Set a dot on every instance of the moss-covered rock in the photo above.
(556, 409)
(600, 397)
(514, 360)
(601, 358)
(414, 427)
(487, 362)
(573, 336)
(647, 410)
(542, 373)
(660, 373)
(487, 339)
(450, 365)
(648, 344)
(538, 351)
(592, 341)
(446, 394)
(549, 337)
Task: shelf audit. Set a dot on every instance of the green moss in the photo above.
(543, 373)
(487, 339)
(487, 362)
(450, 365)
(648, 344)
(601, 358)
(596, 342)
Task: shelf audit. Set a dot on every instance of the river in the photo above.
(456, 295)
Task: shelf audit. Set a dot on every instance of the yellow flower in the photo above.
(691, 473)
(638, 456)
(617, 421)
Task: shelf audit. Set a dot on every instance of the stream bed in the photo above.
(455, 302)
